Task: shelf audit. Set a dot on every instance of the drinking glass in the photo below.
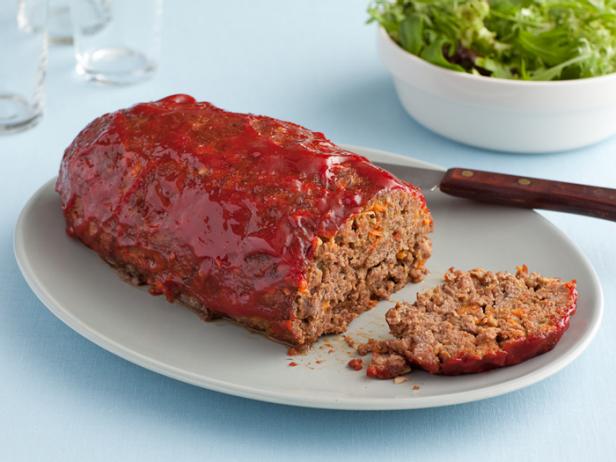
(59, 27)
(59, 30)
(23, 62)
(116, 41)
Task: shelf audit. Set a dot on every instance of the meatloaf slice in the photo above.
(475, 321)
(243, 216)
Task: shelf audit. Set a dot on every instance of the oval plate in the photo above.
(88, 296)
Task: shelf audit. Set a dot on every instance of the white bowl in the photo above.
(499, 114)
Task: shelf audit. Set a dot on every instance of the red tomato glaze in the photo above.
(226, 206)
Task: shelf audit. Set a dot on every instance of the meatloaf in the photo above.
(475, 321)
(242, 216)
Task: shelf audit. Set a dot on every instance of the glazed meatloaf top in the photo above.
(238, 200)
(476, 320)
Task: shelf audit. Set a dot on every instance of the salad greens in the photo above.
(510, 39)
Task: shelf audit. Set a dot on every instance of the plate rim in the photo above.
(352, 403)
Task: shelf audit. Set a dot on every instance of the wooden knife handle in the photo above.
(528, 192)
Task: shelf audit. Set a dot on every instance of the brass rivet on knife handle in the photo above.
(467, 173)
(524, 181)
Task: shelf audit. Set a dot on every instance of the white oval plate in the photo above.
(88, 296)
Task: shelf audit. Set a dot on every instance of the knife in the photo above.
(511, 190)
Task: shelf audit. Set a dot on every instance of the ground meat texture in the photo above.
(387, 365)
(243, 216)
(475, 321)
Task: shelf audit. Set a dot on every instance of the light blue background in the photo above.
(312, 62)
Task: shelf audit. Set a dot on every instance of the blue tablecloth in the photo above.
(312, 62)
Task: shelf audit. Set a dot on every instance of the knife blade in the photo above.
(425, 178)
(512, 190)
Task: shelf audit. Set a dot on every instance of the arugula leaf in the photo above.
(433, 53)
(411, 34)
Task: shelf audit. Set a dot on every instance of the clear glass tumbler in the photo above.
(23, 62)
(59, 26)
(59, 30)
(116, 41)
